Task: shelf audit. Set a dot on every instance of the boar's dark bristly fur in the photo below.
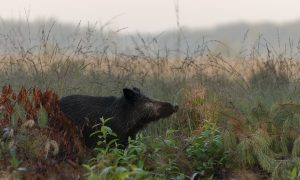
(130, 113)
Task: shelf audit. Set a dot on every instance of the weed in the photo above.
(207, 152)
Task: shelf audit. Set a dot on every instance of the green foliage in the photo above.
(294, 174)
(106, 137)
(166, 158)
(19, 112)
(42, 117)
(14, 161)
(296, 148)
(139, 160)
(111, 162)
(207, 151)
(4, 149)
(8, 151)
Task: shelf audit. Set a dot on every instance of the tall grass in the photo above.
(238, 94)
(82, 68)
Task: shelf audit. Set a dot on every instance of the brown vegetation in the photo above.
(53, 150)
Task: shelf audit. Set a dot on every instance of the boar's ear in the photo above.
(129, 94)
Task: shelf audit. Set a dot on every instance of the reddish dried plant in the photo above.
(59, 128)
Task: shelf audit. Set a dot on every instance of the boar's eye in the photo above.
(129, 94)
(136, 90)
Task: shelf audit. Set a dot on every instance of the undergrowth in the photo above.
(159, 158)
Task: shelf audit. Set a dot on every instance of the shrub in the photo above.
(143, 158)
(33, 131)
(206, 151)
(111, 162)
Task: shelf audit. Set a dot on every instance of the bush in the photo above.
(111, 162)
(36, 138)
(143, 158)
(207, 152)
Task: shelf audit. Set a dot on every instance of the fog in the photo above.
(230, 40)
(154, 15)
(231, 27)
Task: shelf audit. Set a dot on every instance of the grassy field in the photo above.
(239, 117)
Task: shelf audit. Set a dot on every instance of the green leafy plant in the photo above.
(143, 158)
(207, 151)
(105, 134)
(113, 163)
(294, 174)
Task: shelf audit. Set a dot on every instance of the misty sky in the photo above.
(153, 15)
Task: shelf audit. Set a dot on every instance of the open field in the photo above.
(238, 117)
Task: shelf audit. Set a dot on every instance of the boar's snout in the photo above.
(167, 109)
